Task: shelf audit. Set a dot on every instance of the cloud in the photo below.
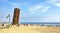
(14, 4)
(3, 0)
(52, 18)
(18, 3)
(39, 8)
(34, 8)
(54, 2)
(44, 10)
(57, 4)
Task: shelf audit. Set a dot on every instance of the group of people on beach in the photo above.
(2, 26)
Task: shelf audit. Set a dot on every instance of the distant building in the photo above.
(16, 16)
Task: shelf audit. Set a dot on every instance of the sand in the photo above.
(30, 29)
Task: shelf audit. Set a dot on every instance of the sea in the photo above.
(37, 23)
(43, 23)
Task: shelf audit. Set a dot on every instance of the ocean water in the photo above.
(43, 23)
(40, 22)
(37, 23)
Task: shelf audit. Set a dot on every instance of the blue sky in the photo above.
(31, 10)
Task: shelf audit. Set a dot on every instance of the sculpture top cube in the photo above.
(16, 16)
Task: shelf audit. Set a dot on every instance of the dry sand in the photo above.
(30, 29)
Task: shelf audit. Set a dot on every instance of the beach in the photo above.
(30, 29)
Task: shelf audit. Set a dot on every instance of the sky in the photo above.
(31, 10)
